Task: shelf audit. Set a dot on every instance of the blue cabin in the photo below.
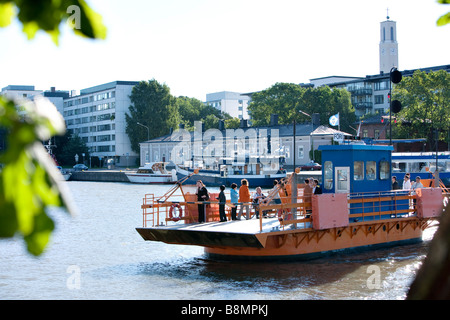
(362, 171)
(353, 168)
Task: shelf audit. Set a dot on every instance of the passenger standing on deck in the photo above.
(222, 200)
(234, 199)
(307, 193)
(317, 189)
(395, 185)
(257, 197)
(416, 185)
(406, 182)
(202, 195)
(244, 199)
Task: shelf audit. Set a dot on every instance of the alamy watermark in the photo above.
(73, 281)
(74, 20)
(374, 280)
(234, 145)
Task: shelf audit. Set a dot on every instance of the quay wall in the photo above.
(99, 176)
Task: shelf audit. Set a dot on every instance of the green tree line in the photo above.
(294, 102)
(155, 108)
(425, 112)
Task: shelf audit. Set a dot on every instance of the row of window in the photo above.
(95, 97)
(101, 138)
(102, 117)
(362, 170)
(99, 128)
(99, 107)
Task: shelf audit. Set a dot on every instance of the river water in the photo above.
(99, 255)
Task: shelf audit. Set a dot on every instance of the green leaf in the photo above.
(38, 239)
(6, 14)
(443, 20)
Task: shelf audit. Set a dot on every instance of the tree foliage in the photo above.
(291, 102)
(29, 180)
(154, 107)
(47, 15)
(425, 99)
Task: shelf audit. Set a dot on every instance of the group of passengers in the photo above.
(243, 198)
(407, 185)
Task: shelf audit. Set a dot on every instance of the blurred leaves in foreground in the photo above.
(47, 15)
(29, 180)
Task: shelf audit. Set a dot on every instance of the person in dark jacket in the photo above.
(222, 200)
(202, 195)
(395, 185)
(317, 189)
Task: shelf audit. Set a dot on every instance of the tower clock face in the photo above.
(383, 51)
(392, 51)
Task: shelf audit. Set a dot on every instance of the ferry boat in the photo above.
(422, 164)
(154, 173)
(357, 209)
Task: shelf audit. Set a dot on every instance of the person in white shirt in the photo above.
(406, 182)
(416, 185)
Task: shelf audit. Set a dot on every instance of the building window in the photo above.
(377, 133)
(379, 99)
(392, 34)
(365, 133)
(300, 152)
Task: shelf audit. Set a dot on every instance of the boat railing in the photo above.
(360, 208)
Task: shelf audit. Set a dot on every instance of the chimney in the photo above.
(244, 124)
(181, 126)
(273, 120)
(53, 89)
(221, 125)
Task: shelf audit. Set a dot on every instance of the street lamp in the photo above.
(148, 139)
(310, 137)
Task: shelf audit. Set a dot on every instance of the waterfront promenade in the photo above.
(101, 175)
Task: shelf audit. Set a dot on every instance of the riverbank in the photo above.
(100, 175)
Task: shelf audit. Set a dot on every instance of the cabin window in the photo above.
(358, 170)
(371, 170)
(328, 175)
(384, 170)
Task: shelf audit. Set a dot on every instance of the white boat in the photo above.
(154, 172)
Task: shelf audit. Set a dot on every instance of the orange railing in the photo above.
(362, 207)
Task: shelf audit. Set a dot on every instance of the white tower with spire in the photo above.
(388, 45)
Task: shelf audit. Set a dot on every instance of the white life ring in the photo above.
(175, 217)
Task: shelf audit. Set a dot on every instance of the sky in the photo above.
(205, 46)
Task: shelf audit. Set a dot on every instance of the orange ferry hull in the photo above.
(313, 244)
(299, 243)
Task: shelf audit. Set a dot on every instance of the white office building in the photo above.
(19, 92)
(233, 103)
(97, 115)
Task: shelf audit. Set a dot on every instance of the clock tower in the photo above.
(388, 45)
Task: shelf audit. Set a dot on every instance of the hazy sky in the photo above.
(203, 46)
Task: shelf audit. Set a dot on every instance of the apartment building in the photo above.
(233, 103)
(97, 115)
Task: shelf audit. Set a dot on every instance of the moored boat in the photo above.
(154, 173)
(357, 209)
(234, 173)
